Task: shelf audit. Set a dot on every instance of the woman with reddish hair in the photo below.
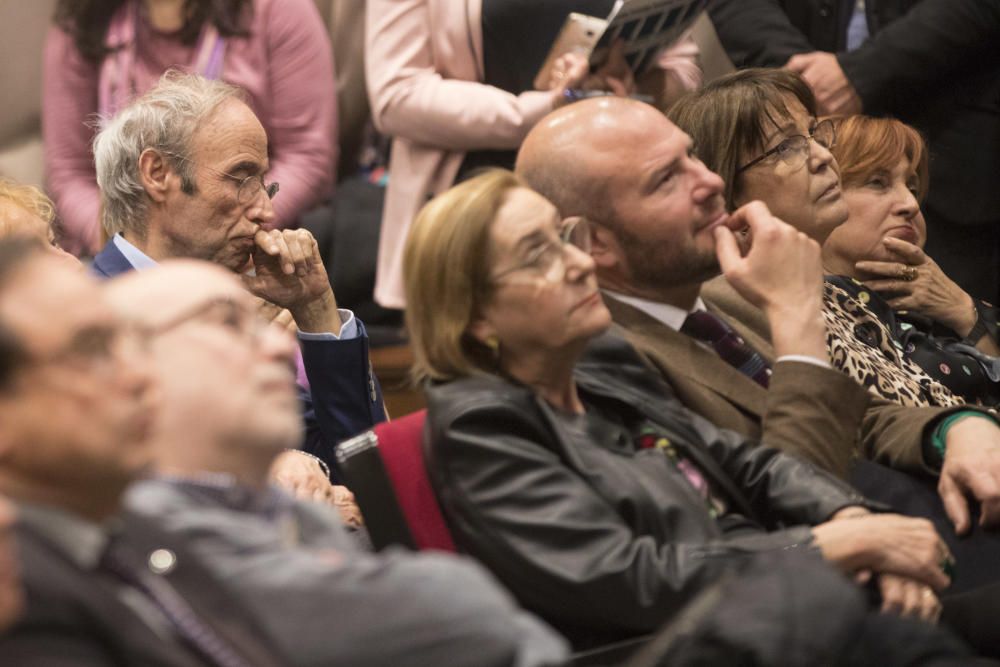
(947, 332)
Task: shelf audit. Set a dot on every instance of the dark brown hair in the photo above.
(866, 145)
(728, 119)
(87, 21)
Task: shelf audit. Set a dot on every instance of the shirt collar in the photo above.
(224, 489)
(81, 540)
(137, 258)
(672, 316)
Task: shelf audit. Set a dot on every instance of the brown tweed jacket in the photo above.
(890, 433)
(809, 411)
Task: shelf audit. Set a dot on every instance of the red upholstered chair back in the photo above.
(399, 443)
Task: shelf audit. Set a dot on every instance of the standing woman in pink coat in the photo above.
(452, 82)
(101, 53)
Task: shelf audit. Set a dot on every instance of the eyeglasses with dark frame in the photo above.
(796, 147)
(549, 259)
(247, 188)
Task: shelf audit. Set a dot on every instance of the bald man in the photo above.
(660, 232)
(229, 407)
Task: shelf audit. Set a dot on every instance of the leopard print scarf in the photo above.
(861, 346)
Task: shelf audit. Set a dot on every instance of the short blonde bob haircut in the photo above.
(866, 145)
(447, 263)
(29, 198)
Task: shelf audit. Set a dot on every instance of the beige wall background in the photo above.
(23, 24)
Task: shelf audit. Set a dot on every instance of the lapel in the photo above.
(64, 598)
(110, 262)
(682, 360)
(208, 598)
(621, 376)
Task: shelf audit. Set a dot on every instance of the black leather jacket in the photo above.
(599, 538)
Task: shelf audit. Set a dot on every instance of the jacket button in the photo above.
(162, 561)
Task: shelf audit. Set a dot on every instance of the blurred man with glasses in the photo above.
(288, 563)
(77, 404)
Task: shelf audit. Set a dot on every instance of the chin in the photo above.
(234, 260)
(596, 324)
(284, 432)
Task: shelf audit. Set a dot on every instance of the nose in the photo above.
(261, 210)
(579, 264)
(906, 204)
(708, 184)
(820, 157)
(277, 344)
(135, 364)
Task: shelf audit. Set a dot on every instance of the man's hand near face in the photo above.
(780, 273)
(971, 469)
(290, 273)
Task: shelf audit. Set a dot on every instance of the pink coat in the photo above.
(286, 67)
(424, 61)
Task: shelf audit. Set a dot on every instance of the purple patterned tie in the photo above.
(728, 344)
(190, 629)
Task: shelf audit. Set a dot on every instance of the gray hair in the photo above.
(164, 119)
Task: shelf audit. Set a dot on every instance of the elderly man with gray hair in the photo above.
(182, 175)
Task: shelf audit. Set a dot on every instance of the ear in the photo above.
(605, 249)
(482, 330)
(155, 174)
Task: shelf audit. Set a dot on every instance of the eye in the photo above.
(787, 147)
(536, 257)
(232, 319)
(877, 181)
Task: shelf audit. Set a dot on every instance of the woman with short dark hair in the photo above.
(757, 128)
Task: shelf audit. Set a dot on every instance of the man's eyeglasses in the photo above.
(224, 311)
(794, 150)
(94, 347)
(248, 189)
(548, 260)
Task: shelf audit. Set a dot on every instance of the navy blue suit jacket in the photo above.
(344, 398)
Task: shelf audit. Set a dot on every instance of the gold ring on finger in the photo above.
(909, 273)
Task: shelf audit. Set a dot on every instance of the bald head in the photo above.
(156, 296)
(628, 169)
(569, 154)
(227, 381)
